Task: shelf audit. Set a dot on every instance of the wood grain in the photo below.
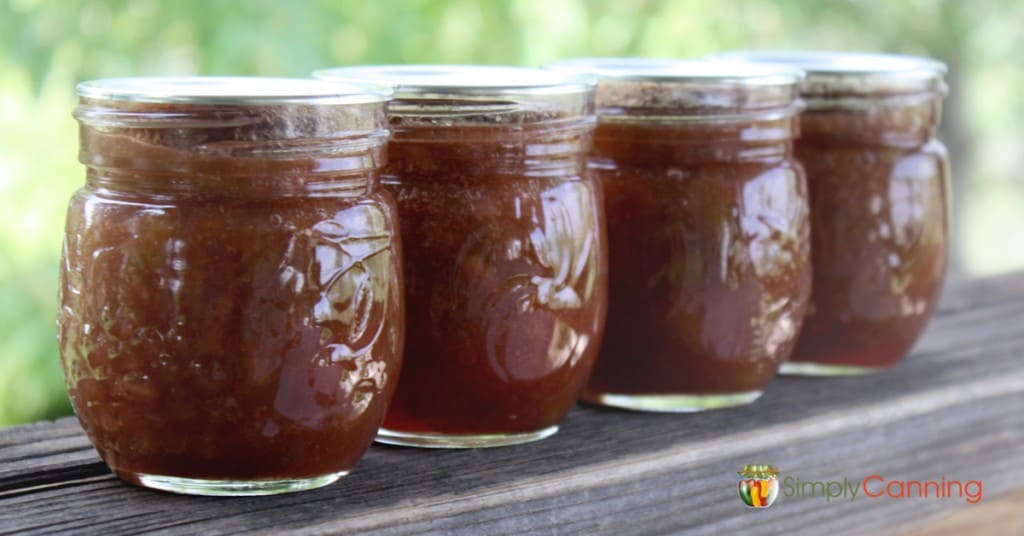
(1000, 515)
(952, 409)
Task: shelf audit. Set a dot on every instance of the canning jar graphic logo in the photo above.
(759, 485)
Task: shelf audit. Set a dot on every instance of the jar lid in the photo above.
(233, 90)
(682, 71)
(679, 90)
(854, 72)
(430, 81)
(476, 94)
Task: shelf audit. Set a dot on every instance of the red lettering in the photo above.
(865, 485)
(898, 485)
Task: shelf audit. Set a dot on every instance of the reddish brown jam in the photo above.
(878, 182)
(505, 275)
(709, 258)
(708, 233)
(231, 299)
(879, 197)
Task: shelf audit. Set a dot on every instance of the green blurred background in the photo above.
(48, 46)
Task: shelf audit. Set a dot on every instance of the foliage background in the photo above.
(48, 46)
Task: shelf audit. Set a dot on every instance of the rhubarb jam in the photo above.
(879, 185)
(231, 311)
(504, 246)
(708, 234)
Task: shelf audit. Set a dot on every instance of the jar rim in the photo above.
(824, 62)
(855, 73)
(646, 90)
(233, 90)
(712, 71)
(414, 82)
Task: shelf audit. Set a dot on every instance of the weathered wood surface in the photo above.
(1001, 515)
(954, 408)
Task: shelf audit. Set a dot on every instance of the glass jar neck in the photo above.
(155, 185)
(703, 141)
(893, 120)
(253, 151)
(551, 148)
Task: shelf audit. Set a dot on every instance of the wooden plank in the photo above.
(1002, 515)
(952, 409)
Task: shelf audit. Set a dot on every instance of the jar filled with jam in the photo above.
(231, 303)
(879, 185)
(709, 267)
(504, 248)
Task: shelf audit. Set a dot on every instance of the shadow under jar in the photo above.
(708, 234)
(504, 246)
(231, 306)
(879, 184)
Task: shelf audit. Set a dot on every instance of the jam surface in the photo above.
(505, 285)
(709, 261)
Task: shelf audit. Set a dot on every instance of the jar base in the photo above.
(809, 368)
(229, 487)
(671, 403)
(460, 441)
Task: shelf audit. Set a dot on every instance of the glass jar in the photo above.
(504, 246)
(707, 230)
(231, 307)
(879, 184)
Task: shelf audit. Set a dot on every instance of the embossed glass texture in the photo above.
(879, 185)
(708, 230)
(504, 245)
(231, 310)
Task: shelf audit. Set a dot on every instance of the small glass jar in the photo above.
(879, 184)
(707, 229)
(231, 306)
(504, 246)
